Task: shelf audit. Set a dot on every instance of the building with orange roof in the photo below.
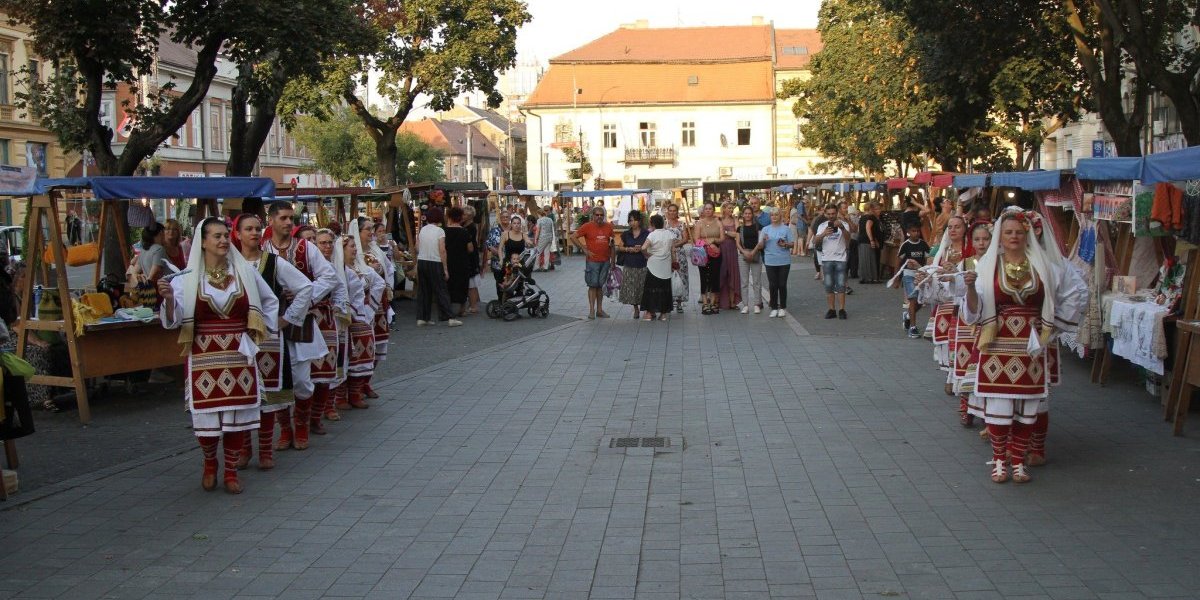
(670, 107)
(478, 160)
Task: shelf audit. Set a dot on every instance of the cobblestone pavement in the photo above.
(827, 466)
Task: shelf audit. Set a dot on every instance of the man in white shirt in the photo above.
(833, 238)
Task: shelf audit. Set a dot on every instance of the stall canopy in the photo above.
(868, 186)
(922, 178)
(1176, 165)
(1124, 168)
(785, 189)
(1031, 181)
(125, 188)
(943, 181)
(971, 181)
(604, 193)
(897, 183)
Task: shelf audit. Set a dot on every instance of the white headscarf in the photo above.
(359, 264)
(245, 273)
(945, 243)
(338, 257)
(1045, 268)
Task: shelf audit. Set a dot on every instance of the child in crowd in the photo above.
(913, 253)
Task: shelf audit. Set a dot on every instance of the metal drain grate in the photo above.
(640, 442)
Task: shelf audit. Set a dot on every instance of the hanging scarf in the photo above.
(255, 323)
(1044, 267)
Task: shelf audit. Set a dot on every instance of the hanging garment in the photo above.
(1168, 207)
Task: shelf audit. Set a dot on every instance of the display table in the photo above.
(112, 347)
(1135, 323)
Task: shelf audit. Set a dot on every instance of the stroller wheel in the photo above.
(511, 315)
(493, 309)
(543, 310)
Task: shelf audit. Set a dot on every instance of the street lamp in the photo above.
(470, 149)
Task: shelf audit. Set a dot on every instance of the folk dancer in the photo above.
(374, 257)
(223, 309)
(365, 289)
(1019, 304)
(334, 323)
(964, 356)
(951, 251)
(295, 291)
(288, 242)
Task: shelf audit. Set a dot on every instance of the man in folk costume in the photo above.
(223, 309)
(274, 355)
(1020, 305)
(375, 257)
(305, 343)
(365, 289)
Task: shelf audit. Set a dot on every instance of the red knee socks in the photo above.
(266, 441)
(285, 429)
(320, 402)
(341, 395)
(301, 422)
(356, 392)
(1037, 439)
(208, 447)
(1018, 442)
(233, 447)
(999, 434)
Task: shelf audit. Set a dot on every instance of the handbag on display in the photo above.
(77, 255)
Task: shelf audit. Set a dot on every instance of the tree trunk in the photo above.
(1106, 75)
(385, 157)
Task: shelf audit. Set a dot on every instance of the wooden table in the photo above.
(112, 348)
(1189, 365)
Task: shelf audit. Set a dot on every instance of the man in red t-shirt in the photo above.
(596, 238)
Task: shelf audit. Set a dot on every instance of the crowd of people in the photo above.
(283, 325)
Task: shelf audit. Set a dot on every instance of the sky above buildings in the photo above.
(559, 26)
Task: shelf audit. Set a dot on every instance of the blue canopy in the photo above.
(603, 193)
(842, 188)
(1123, 168)
(1176, 165)
(977, 180)
(868, 186)
(1028, 180)
(785, 189)
(127, 188)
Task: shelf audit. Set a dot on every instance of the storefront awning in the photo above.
(868, 186)
(922, 178)
(1176, 165)
(1031, 181)
(897, 183)
(943, 181)
(1123, 168)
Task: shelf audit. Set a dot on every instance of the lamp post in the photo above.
(470, 150)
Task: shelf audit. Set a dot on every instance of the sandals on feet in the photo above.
(999, 471)
(1020, 474)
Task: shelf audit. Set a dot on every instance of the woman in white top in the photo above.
(433, 271)
(659, 248)
(223, 309)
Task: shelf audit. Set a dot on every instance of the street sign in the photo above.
(1097, 148)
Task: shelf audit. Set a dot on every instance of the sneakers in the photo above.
(782, 313)
(913, 334)
(757, 309)
(773, 314)
(454, 323)
(831, 314)
(745, 310)
(422, 323)
(842, 314)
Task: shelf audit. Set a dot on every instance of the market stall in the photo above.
(110, 345)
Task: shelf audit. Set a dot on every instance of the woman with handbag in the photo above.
(223, 309)
(658, 250)
(679, 266)
(632, 262)
(708, 234)
(749, 249)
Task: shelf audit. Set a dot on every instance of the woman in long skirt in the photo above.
(633, 262)
(679, 266)
(658, 249)
(223, 309)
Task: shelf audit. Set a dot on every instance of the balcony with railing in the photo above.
(649, 155)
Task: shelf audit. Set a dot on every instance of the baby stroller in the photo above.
(520, 292)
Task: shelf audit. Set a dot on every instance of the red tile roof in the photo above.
(610, 84)
(795, 47)
(451, 137)
(678, 44)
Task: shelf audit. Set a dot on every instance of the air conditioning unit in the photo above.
(629, 178)
(725, 171)
(772, 170)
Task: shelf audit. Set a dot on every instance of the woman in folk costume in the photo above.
(1019, 304)
(333, 320)
(273, 356)
(374, 256)
(953, 248)
(374, 293)
(223, 309)
(964, 356)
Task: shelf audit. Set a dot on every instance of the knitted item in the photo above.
(320, 404)
(999, 434)
(1018, 442)
(266, 441)
(1037, 438)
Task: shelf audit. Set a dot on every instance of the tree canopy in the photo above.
(341, 147)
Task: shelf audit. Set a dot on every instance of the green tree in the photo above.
(299, 47)
(338, 144)
(432, 48)
(864, 107)
(418, 161)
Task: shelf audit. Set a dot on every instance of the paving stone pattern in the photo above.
(811, 466)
